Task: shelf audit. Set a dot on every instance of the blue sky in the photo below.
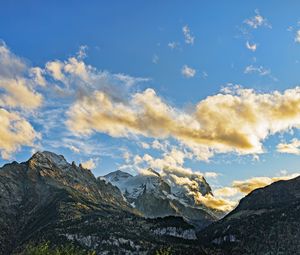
(184, 52)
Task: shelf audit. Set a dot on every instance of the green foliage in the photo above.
(163, 251)
(46, 249)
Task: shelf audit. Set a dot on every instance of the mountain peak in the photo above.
(46, 157)
(117, 176)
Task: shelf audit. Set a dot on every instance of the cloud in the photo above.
(188, 37)
(15, 132)
(236, 121)
(18, 94)
(260, 70)
(291, 148)
(249, 185)
(244, 187)
(297, 37)
(73, 78)
(211, 175)
(216, 203)
(129, 80)
(145, 145)
(188, 72)
(225, 192)
(257, 21)
(38, 75)
(81, 53)
(89, 164)
(73, 148)
(251, 47)
(173, 45)
(155, 59)
(15, 82)
(11, 65)
(18, 98)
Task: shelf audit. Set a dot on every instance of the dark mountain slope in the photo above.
(266, 221)
(47, 198)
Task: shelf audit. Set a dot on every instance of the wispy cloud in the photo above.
(155, 59)
(257, 21)
(291, 148)
(257, 69)
(188, 37)
(188, 72)
(173, 45)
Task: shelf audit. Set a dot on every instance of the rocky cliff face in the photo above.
(158, 196)
(265, 222)
(46, 198)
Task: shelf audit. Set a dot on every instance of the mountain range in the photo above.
(149, 189)
(48, 199)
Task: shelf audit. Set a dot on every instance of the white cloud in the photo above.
(145, 145)
(129, 80)
(173, 45)
(188, 37)
(188, 72)
(38, 75)
(212, 175)
(251, 47)
(297, 37)
(81, 54)
(155, 59)
(11, 65)
(257, 69)
(257, 21)
(291, 148)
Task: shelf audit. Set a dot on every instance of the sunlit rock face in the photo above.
(265, 222)
(47, 198)
(156, 195)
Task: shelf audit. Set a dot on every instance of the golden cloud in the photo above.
(243, 187)
(216, 203)
(291, 148)
(89, 164)
(249, 185)
(17, 88)
(15, 131)
(19, 94)
(238, 120)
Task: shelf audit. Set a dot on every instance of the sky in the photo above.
(206, 87)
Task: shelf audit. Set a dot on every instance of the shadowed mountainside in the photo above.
(47, 198)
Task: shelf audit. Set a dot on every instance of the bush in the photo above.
(163, 251)
(47, 249)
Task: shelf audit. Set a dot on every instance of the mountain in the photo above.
(265, 222)
(158, 196)
(48, 199)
